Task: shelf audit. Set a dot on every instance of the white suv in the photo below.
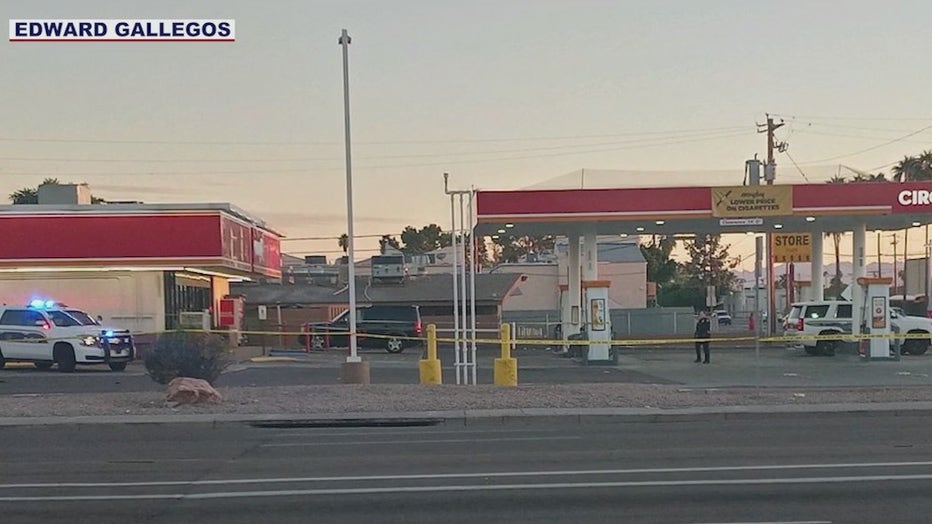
(833, 317)
(49, 334)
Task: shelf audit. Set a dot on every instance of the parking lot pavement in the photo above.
(775, 367)
(730, 367)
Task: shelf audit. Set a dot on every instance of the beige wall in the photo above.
(629, 283)
(127, 299)
(539, 291)
(221, 288)
(628, 288)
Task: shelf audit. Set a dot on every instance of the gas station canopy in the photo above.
(705, 210)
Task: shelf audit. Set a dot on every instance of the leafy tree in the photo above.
(388, 241)
(424, 240)
(661, 269)
(709, 264)
(511, 249)
(678, 294)
(482, 255)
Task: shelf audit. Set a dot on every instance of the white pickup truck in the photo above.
(833, 317)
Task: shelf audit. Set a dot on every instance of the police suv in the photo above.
(833, 317)
(48, 333)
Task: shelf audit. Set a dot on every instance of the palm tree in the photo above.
(910, 168)
(868, 177)
(30, 195)
(925, 160)
(835, 286)
(344, 242)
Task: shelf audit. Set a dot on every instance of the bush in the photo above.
(183, 354)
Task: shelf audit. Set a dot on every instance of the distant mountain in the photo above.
(804, 271)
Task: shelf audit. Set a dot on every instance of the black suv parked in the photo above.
(395, 325)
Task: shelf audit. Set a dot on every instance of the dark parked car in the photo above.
(396, 327)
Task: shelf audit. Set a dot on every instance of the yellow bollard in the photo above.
(506, 368)
(430, 367)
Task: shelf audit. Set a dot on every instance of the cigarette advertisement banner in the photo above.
(752, 201)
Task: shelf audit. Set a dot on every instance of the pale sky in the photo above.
(502, 95)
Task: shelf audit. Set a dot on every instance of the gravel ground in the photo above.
(309, 400)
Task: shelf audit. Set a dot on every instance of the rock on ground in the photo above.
(185, 390)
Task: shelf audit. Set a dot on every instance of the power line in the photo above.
(859, 137)
(168, 173)
(405, 166)
(330, 251)
(166, 160)
(646, 141)
(858, 128)
(372, 142)
(888, 164)
(546, 155)
(787, 153)
(872, 148)
(297, 239)
(887, 119)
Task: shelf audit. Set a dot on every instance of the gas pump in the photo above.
(598, 321)
(875, 319)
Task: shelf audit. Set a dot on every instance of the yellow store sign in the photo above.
(791, 247)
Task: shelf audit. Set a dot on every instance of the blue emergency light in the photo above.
(42, 304)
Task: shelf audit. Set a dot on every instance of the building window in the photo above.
(185, 292)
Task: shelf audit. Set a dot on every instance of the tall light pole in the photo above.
(927, 246)
(354, 371)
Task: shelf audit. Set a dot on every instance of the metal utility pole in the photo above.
(758, 255)
(464, 297)
(355, 371)
(905, 262)
(879, 259)
(895, 278)
(927, 270)
(770, 174)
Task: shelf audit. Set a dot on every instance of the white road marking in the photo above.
(412, 441)
(415, 431)
(469, 488)
(772, 522)
(441, 476)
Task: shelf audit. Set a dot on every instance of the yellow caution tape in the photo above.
(548, 342)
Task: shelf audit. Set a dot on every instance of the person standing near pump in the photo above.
(702, 335)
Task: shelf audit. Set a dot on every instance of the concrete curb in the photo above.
(517, 415)
(272, 359)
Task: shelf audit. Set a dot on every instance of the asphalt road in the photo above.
(786, 469)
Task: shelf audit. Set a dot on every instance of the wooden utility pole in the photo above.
(770, 172)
